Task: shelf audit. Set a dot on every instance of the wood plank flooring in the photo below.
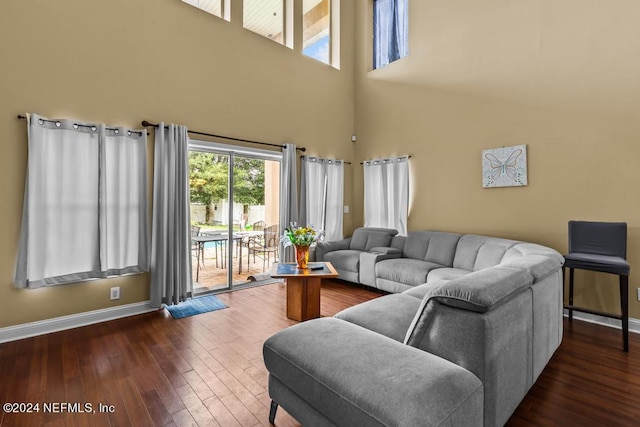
(207, 370)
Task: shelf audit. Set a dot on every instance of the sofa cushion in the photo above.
(416, 245)
(478, 252)
(389, 315)
(420, 291)
(433, 246)
(364, 239)
(446, 274)
(325, 247)
(398, 242)
(377, 240)
(405, 270)
(344, 260)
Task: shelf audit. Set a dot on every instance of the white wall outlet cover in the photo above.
(115, 293)
(345, 209)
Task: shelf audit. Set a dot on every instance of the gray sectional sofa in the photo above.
(469, 325)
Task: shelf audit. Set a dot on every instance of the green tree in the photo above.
(248, 179)
(208, 178)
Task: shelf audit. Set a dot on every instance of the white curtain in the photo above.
(85, 204)
(288, 195)
(321, 195)
(386, 193)
(171, 280)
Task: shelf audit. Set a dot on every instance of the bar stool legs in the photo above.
(571, 294)
(624, 309)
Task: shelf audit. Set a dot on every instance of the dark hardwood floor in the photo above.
(207, 370)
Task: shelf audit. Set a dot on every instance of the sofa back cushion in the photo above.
(539, 261)
(365, 238)
(398, 242)
(433, 246)
(475, 253)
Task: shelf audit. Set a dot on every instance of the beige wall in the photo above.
(122, 61)
(561, 77)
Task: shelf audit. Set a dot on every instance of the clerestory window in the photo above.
(316, 29)
(265, 17)
(219, 8)
(273, 19)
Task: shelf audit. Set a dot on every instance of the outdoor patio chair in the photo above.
(195, 247)
(266, 248)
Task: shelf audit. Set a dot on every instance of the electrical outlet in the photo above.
(115, 293)
(638, 294)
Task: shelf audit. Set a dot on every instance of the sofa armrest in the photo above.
(368, 260)
(322, 248)
(393, 252)
(478, 292)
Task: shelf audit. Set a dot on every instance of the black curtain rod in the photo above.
(21, 117)
(146, 123)
(408, 157)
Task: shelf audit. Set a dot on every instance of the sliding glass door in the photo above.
(234, 214)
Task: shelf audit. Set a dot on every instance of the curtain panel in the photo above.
(322, 195)
(288, 196)
(386, 193)
(390, 31)
(171, 279)
(85, 203)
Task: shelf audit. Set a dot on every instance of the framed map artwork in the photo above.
(504, 167)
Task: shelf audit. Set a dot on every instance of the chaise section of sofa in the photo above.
(326, 372)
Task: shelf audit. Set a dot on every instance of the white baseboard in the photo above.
(32, 329)
(634, 324)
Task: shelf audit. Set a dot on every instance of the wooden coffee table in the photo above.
(303, 287)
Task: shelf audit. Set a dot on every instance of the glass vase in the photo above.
(302, 256)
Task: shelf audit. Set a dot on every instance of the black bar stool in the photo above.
(600, 246)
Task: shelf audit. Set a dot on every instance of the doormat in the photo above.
(195, 306)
